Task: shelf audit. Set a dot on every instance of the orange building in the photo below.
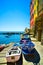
(32, 15)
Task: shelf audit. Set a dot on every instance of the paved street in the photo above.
(39, 48)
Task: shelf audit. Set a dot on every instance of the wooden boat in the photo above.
(13, 54)
(26, 45)
(1, 47)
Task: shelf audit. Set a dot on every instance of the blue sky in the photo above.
(14, 15)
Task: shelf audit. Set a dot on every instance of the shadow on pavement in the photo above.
(34, 58)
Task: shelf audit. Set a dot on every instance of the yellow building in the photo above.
(36, 5)
(38, 19)
(35, 9)
(35, 14)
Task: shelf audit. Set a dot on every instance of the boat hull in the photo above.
(13, 58)
(13, 55)
(1, 48)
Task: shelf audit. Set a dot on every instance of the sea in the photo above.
(8, 37)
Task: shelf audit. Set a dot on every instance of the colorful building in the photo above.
(39, 22)
(32, 15)
(36, 19)
(36, 5)
(35, 9)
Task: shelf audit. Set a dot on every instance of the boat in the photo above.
(28, 48)
(1, 47)
(14, 54)
(26, 45)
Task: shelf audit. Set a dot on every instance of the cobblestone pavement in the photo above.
(39, 49)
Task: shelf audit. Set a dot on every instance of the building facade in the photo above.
(39, 22)
(37, 18)
(35, 9)
(36, 5)
(32, 15)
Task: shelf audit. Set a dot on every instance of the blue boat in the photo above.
(26, 45)
(26, 48)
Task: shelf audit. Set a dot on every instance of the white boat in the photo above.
(13, 54)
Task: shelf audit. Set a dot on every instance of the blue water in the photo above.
(5, 39)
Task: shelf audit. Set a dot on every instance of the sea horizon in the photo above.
(7, 37)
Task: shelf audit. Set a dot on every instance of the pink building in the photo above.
(32, 14)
